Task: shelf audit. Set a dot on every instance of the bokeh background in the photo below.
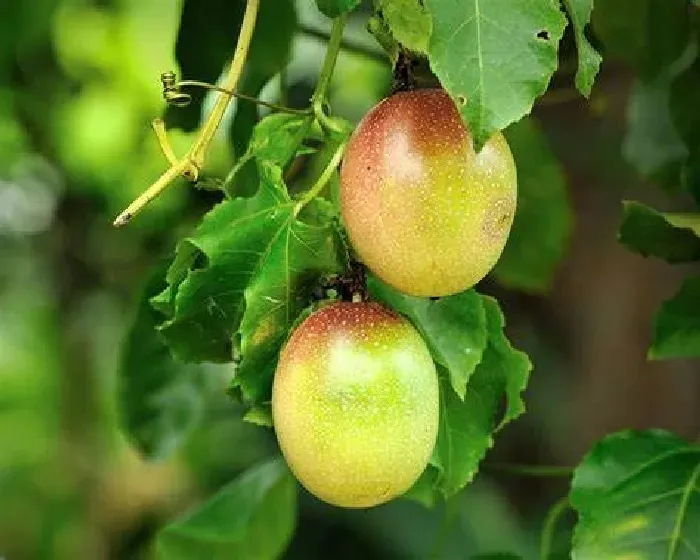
(78, 88)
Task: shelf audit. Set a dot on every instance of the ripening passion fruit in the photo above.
(355, 404)
(423, 210)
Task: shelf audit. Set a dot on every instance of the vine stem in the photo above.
(530, 470)
(194, 160)
(324, 78)
(554, 514)
(244, 38)
(323, 179)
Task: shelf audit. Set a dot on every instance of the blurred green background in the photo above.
(78, 88)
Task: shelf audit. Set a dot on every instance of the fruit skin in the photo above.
(355, 404)
(424, 212)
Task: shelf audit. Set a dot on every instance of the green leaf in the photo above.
(253, 517)
(637, 495)
(334, 8)
(652, 142)
(684, 93)
(543, 218)
(248, 270)
(408, 21)
(160, 399)
(379, 29)
(494, 58)
(453, 327)
(649, 35)
(677, 324)
(423, 490)
(274, 140)
(672, 237)
(588, 58)
(260, 415)
(466, 427)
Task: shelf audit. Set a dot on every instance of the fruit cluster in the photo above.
(355, 396)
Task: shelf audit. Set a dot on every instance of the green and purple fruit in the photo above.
(424, 211)
(355, 404)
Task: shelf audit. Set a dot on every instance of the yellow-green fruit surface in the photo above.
(355, 404)
(424, 211)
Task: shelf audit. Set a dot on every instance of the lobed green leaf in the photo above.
(247, 272)
(467, 426)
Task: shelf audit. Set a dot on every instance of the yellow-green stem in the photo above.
(155, 189)
(323, 179)
(550, 524)
(200, 146)
(162, 136)
(194, 160)
(324, 78)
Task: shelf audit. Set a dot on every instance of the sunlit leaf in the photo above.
(467, 427)
(637, 496)
(408, 21)
(453, 327)
(494, 58)
(247, 271)
(588, 58)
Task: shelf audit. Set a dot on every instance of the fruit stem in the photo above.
(530, 470)
(554, 514)
(323, 179)
(194, 160)
(324, 79)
